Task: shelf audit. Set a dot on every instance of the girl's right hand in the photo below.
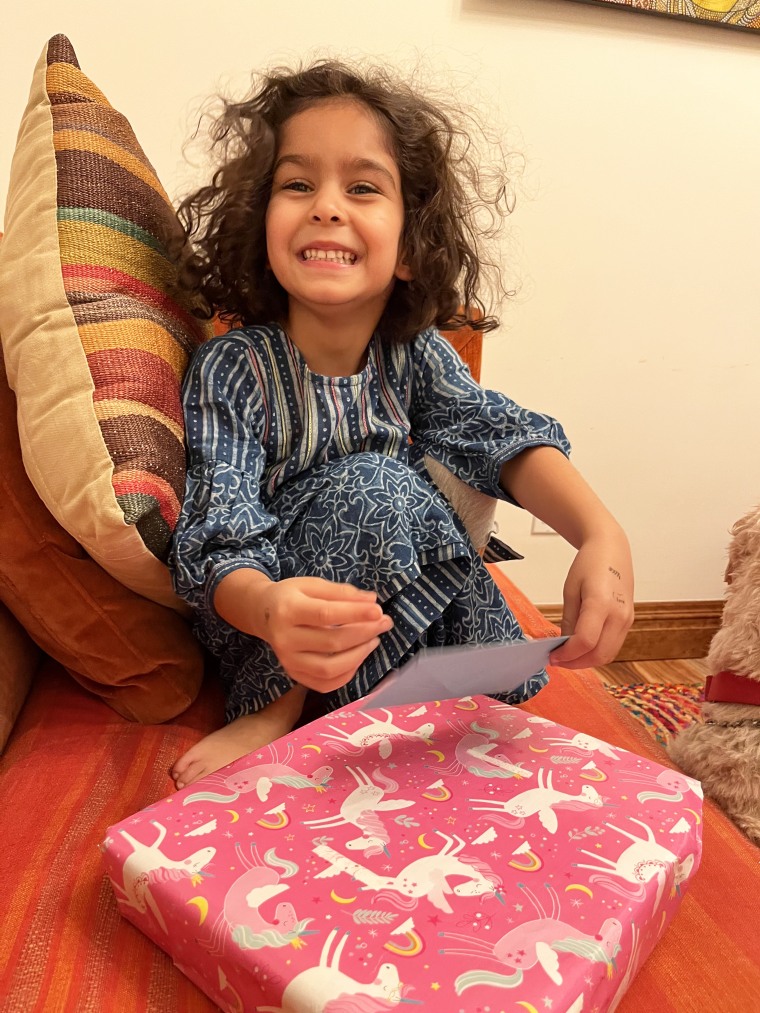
(320, 631)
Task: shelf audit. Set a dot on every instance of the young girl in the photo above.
(312, 545)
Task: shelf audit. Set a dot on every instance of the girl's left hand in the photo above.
(598, 603)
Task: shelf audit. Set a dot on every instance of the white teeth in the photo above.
(337, 256)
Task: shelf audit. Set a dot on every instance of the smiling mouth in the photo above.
(331, 256)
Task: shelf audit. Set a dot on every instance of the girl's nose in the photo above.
(325, 215)
(326, 207)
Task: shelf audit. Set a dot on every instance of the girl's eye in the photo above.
(297, 185)
(362, 188)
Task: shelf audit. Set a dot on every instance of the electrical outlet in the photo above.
(538, 527)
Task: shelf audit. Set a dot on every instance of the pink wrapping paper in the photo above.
(452, 857)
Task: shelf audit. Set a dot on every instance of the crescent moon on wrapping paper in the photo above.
(579, 886)
(528, 1006)
(235, 816)
(437, 754)
(421, 842)
(311, 745)
(202, 904)
(694, 814)
(341, 900)
(535, 749)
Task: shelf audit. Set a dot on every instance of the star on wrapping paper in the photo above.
(518, 908)
(435, 986)
(548, 1003)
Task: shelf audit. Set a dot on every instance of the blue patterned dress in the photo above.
(297, 474)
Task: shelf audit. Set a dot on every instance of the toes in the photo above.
(181, 772)
(194, 772)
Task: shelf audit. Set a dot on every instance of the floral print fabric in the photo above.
(295, 474)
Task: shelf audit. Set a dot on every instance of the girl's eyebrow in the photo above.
(352, 164)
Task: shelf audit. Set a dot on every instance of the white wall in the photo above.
(637, 239)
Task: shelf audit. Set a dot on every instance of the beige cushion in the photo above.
(95, 343)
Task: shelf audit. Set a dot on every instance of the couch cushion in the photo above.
(72, 765)
(61, 913)
(139, 656)
(19, 659)
(95, 342)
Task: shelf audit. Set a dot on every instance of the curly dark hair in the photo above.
(445, 192)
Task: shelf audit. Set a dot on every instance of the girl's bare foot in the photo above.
(241, 736)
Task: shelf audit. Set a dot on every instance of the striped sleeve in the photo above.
(470, 430)
(223, 525)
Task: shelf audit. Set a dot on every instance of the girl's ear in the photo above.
(403, 271)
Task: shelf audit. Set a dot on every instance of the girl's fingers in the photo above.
(318, 587)
(584, 635)
(588, 650)
(326, 672)
(322, 612)
(334, 640)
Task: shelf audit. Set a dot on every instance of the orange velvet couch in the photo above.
(73, 767)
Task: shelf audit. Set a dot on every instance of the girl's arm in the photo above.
(598, 592)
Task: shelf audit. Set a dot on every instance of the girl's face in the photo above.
(336, 213)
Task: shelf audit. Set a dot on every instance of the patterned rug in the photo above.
(662, 709)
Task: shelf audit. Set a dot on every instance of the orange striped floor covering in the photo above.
(73, 767)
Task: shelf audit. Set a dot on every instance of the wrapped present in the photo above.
(456, 856)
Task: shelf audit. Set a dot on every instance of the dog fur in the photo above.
(727, 759)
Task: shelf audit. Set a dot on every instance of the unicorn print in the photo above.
(315, 989)
(380, 731)
(473, 753)
(241, 917)
(668, 785)
(539, 941)
(634, 962)
(540, 802)
(260, 777)
(587, 744)
(360, 808)
(640, 861)
(148, 864)
(424, 877)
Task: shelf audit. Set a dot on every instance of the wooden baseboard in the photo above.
(664, 630)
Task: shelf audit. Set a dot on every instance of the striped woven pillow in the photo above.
(95, 340)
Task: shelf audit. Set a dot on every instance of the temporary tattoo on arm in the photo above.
(618, 598)
(615, 572)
